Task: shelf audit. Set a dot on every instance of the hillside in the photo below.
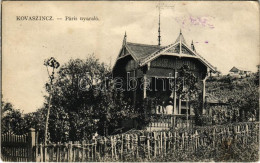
(240, 93)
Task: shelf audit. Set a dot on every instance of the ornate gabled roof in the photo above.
(143, 53)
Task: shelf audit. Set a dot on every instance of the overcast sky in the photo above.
(224, 33)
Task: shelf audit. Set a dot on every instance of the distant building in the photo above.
(239, 72)
(216, 74)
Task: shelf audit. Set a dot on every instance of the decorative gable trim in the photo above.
(203, 60)
(156, 54)
(165, 51)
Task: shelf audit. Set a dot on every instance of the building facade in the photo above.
(239, 72)
(148, 71)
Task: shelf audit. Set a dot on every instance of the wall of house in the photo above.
(163, 66)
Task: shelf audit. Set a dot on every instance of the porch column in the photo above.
(174, 96)
(187, 105)
(134, 92)
(179, 105)
(204, 92)
(203, 95)
(145, 80)
(187, 112)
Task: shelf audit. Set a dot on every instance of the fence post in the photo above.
(175, 141)
(105, 146)
(115, 141)
(41, 153)
(83, 150)
(31, 145)
(127, 142)
(169, 140)
(214, 137)
(165, 143)
(112, 147)
(196, 138)
(235, 132)
(36, 147)
(148, 145)
(95, 141)
(58, 152)
(70, 151)
(122, 146)
(155, 144)
(246, 133)
(161, 143)
(136, 145)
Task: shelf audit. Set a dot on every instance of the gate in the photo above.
(18, 148)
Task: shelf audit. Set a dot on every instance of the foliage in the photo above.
(186, 84)
(241, 94)
(11, 119)
(84, 101)
(59, 125)
(36, 120)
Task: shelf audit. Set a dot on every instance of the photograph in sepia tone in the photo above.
(139, 81)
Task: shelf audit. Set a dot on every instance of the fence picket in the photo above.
(196, 138)
(155, 144)
(74, 151)
(41, 153)
(148, 146)
(165, 141)
(160, 150)
(112, 147)
(136, 145)
(122, 145)
(70, 152)
(151, 144)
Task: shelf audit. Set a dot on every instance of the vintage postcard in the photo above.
(130, 81)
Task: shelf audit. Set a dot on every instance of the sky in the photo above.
(224, 33)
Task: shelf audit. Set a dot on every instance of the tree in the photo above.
(11, 119)
(72, 100)
(83, 93)
(113, 108)
(248, 102)
(186, 86)
(37, 121)
(52, 63)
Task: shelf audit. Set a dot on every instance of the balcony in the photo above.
(167, 122)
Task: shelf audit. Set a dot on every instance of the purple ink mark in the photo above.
(189, 21)
(206, 42)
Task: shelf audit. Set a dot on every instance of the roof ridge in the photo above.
(242, 68)
(144, 44)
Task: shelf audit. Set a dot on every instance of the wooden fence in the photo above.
(147, 145)
(16, 148)
(139, 144)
